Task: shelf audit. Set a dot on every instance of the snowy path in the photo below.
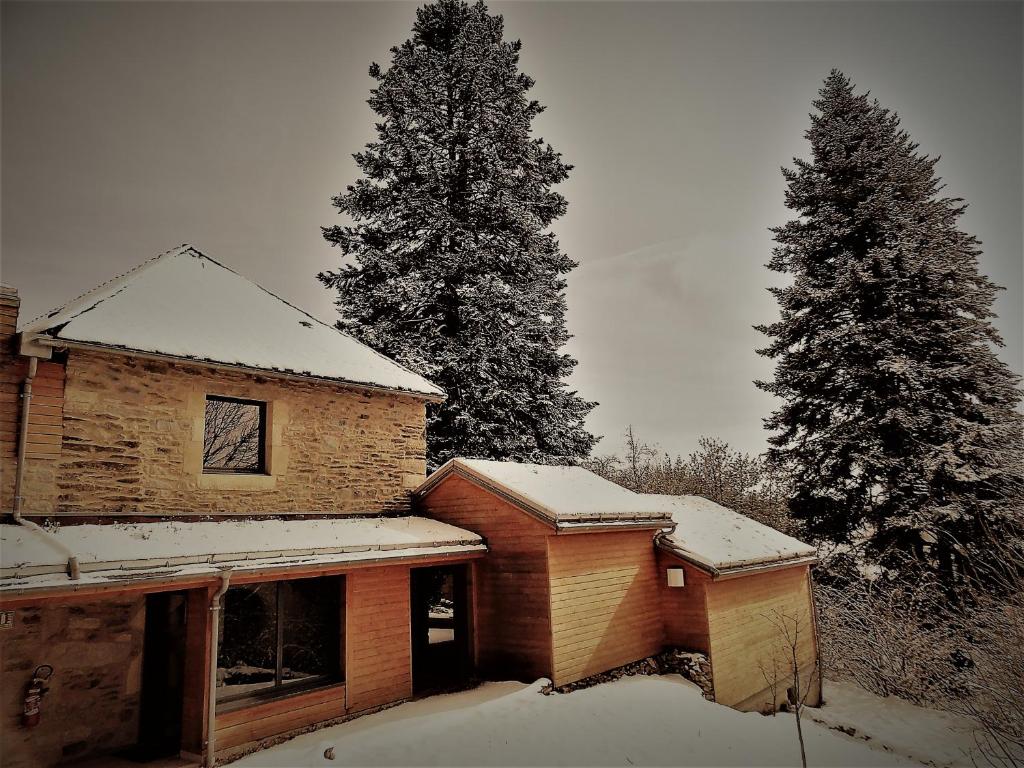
(632, 721)
(925, 735)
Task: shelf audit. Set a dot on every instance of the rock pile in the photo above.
(692, 665)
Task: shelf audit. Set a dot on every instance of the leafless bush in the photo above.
(903, 634)
(995, 684)
(871, 635)
(715, 471)
(790, 629)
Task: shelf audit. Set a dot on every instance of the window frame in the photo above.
(261, 456)
(284, 688)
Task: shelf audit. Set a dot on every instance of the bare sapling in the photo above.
(791, 630)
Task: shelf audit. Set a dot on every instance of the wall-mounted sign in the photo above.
(6, 619)
(676, 577)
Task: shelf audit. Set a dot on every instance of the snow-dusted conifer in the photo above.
(452, 270)
(898, 420)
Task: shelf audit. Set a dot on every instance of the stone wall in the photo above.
(93, 703)
(132, 445)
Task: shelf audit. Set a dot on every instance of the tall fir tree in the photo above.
(450, 268)
(899, 421)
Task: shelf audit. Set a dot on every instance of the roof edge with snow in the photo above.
(174, 550)
(664, 542)
(577, 523)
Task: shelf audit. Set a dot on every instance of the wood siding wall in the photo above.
(605, 607)
(378, 662)
(684, 608)
(511, 610)
(252, 724)
(744, 639)
(45, 424)
(45, 416)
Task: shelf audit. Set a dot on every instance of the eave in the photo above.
(57, 343)
(578, 524)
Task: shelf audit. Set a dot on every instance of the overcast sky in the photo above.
(131, 128)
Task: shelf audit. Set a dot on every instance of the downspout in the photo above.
(211, 705)
(19, 474)
(817, 639)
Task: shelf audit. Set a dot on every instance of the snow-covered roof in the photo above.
(567, 497)
(186, 305)
(130, 551)
(717, 539)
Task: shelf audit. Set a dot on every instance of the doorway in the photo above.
(163, 676)
(441, 656)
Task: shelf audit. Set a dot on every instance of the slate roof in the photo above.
(183, 304)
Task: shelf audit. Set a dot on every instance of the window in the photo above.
(280, 636)
(234, 436)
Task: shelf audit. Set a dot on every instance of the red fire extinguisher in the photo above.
(35, 690)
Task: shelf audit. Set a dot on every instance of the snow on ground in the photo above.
(924, 735)
(632, 721)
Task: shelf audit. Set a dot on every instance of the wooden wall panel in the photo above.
(378, 662)
(280, 716)
(511, 611)
(744, 639)
(198, 636)
(605, 602)
(45, 423)
(684, 609)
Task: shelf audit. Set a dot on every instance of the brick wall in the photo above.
(132, 443)
(93, 703)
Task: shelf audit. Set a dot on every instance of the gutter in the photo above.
(250, 571)
(211, 702)
(61, 344)
(19, 475)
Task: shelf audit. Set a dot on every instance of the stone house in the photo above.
(218, 530)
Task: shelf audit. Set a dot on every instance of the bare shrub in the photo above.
(869, 635)
(902, 633)
(994, 683)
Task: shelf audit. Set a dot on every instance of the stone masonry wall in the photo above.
(93, 702)
(132, 445)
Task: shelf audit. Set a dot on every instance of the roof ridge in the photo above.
(141, 267)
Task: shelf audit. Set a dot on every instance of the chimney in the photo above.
(9, 304)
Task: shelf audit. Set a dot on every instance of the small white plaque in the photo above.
(676, 577)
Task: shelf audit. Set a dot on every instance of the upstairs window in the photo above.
(234, 436)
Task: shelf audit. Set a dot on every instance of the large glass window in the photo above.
(234, 434)
(279, 636)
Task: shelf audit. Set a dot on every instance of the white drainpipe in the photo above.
(211, 707)
(19, 474)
